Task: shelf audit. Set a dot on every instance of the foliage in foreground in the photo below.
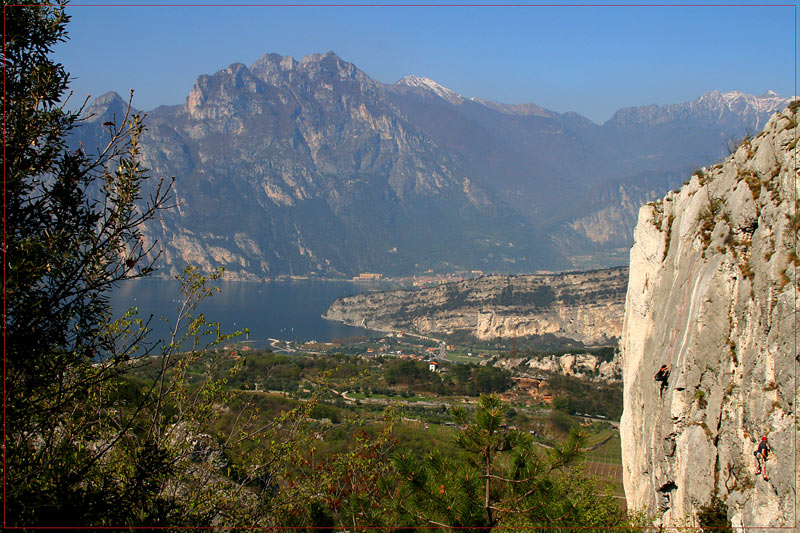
(72, 232)
(83, 445)
(501, 478)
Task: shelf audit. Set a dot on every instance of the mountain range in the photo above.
(311, 167)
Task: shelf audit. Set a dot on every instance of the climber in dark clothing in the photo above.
(663, 376)
(762, 453)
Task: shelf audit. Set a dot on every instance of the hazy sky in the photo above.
(591, 60)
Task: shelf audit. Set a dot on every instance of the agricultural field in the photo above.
(604, 460)
(462, 357)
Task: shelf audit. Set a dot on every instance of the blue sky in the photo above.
(591, 60)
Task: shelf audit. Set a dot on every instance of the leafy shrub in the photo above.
(700, 396)
(713, 517)
(489, 379)
(588, 397)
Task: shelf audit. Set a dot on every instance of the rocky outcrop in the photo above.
(584, 306)
(582, 365)
(713, 292)
(609, 216)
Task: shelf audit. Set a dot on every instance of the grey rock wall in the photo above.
(713, 291)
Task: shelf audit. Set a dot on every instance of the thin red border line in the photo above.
(5, 135)
(416, 5)
(416, 528)
(389, 5)
(426, 5)
(794, 237)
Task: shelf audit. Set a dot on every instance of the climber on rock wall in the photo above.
(663, 376)
(762, 453)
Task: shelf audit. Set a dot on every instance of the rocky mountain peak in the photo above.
(731, 106)
(332, 65)
(275, 69)
(219, 90)
(768, 102)
(105, 106)
(234, 69)
(430, 86)
(519, 109)
(326, 71)
(108, 99)
(288, 63)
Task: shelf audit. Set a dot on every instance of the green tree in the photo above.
(102, 426)
(561, 403)
(490, 379)
(501, 478)
(461, 373)
(406, 372)
(73, 230)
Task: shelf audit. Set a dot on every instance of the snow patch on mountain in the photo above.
(712, 106)
(767, 102)
(517, 109)
(430, 85)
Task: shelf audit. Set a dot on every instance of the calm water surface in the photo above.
(288, 310)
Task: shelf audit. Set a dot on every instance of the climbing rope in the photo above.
(680, 314)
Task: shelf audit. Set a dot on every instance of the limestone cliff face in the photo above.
(585, 306)
(713, 291)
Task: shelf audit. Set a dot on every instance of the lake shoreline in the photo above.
(290, 310)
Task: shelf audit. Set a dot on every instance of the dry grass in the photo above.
(752, 182)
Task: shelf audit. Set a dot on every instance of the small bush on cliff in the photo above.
(713, 517)
(702, 175)
(700, 396)
(752, 181)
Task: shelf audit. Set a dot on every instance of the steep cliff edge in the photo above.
(584, 306)
(713, 292)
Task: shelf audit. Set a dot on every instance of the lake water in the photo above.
(287, 310)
